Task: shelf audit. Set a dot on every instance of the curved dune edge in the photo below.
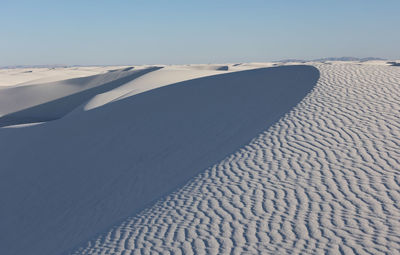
(163, 77)
(159, 78)
(84, 172)
(323, 180)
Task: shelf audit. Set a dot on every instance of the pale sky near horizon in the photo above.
(124, 32)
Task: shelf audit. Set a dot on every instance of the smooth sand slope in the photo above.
(325, 179)
(65, 181)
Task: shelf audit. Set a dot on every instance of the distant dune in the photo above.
(203, 159)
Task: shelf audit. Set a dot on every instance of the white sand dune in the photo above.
(76, 176)
(166, 76)
(220, 161)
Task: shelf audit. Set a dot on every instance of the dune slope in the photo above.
(66, 180)
(325, 179)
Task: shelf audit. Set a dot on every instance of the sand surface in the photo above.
(205, 159)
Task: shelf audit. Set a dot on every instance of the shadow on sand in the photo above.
(66, 180)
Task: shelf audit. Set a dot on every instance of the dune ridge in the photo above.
(323, 180)
(166, 76)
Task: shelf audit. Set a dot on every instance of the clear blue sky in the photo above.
(217, 31)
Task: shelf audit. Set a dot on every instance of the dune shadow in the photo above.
(66, 180)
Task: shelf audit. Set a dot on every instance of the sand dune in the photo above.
(166, 76)
(66, 180)
(50, 101)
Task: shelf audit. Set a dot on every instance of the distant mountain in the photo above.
(349, 59)
(332, 59)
